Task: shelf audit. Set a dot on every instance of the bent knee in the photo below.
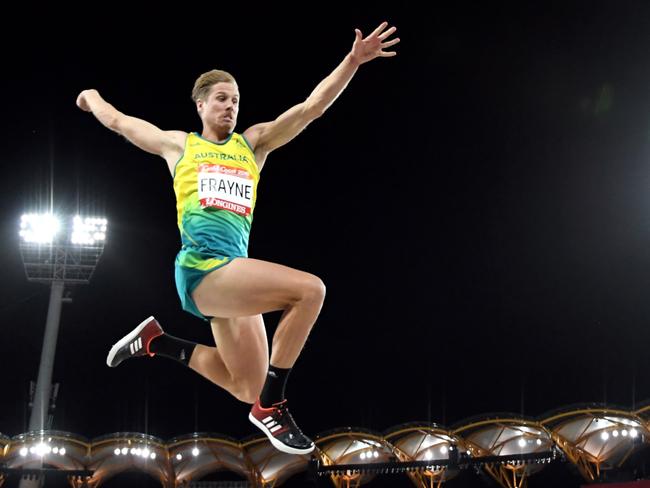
(313, 290)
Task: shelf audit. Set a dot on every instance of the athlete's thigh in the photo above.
(249, 287)
(243, 346)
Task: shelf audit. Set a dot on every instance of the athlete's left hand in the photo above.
(364, 50)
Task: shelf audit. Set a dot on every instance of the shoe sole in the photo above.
(125, 340)
(276, 443)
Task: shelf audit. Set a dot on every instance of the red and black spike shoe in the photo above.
(135, 343)
(278, 425)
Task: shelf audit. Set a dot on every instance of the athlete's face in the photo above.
(220, 107)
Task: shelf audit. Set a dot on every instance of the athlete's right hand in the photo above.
(82, 102)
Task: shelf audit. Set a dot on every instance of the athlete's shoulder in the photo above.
(242, 140)
(178, 133)
(252, 134)
(178, 136)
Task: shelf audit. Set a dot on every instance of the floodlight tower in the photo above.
(57, 252)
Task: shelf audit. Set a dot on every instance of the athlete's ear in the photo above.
(199, 105)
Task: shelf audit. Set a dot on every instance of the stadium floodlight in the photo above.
(88, 231)
(55, 249)
(57, 252)
(39, 228)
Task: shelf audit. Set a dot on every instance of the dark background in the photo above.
(477, 206)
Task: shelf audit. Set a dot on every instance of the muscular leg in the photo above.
(240, 361)
(248, 287)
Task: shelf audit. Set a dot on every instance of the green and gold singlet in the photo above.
(216, 190)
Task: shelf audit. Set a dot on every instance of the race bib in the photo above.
(225, 187)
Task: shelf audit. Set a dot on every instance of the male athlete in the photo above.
(215, 180)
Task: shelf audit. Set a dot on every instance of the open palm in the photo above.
(364, 50)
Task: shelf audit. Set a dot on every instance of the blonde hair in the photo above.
(204, 82)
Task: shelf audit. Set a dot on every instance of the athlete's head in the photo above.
(217, 99)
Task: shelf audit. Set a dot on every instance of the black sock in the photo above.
(173, 348)
(273, 391)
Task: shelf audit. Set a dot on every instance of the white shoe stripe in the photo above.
(267, 419)
(279, 445)
(127, 339)
(271, 424)
(139, 343)
(275, 428)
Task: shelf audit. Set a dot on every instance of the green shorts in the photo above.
(191, 267)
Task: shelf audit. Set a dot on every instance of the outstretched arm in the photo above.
(167, 144)
(268, 136)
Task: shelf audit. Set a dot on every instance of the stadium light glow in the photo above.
(46, 228)
(88, 230)
(42, 449)
(39, 228)
(61, 248)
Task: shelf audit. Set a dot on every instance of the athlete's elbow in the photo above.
(110, 119)
(115, 120)
(314, 110)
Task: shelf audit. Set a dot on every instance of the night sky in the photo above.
(477, 207)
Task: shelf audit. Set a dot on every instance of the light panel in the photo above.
(39, 228)
(88, 230)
